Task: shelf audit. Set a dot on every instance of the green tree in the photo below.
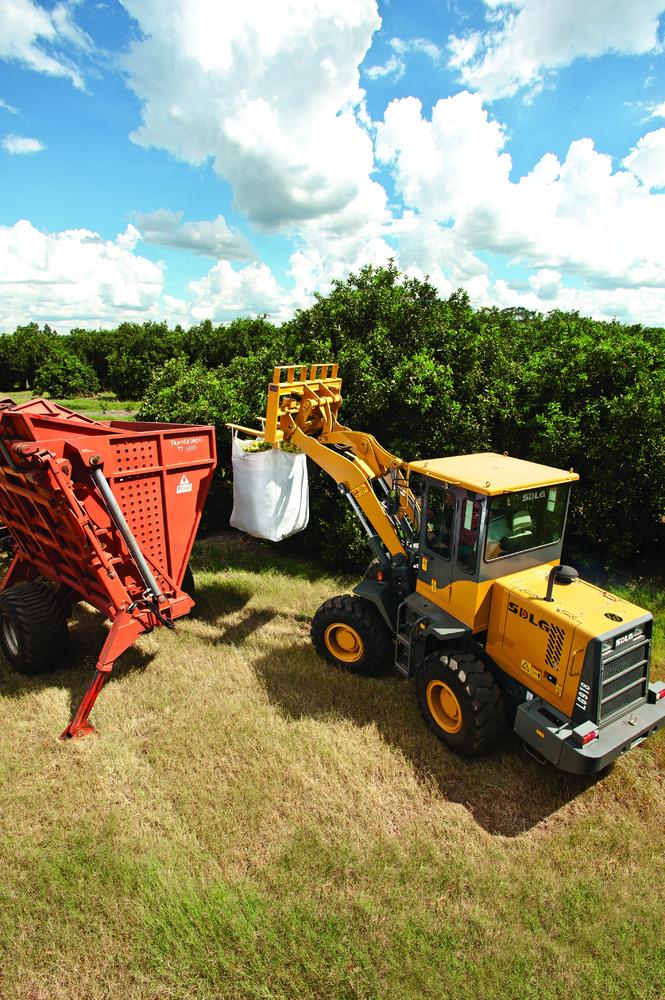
(25, 350)
(137, 352)
(63, 375)
(94, 347)
(219, 345)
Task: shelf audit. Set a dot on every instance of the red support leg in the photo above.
(79, 726)
(124, 630)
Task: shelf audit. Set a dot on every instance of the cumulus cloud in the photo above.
(443, 165)
(579, 217)
(628, 305)
(526, 39)
(647, 159)
(546, 283)
(270, 92)
(43, 40)
(21, 144)
(225, 293)
(319, 259)
(211, 238)
(74, 278)
(395, 65)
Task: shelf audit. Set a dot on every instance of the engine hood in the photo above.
(593, 610)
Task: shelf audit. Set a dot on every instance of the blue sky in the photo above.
(188, 159)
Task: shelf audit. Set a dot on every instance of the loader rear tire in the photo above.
(33, 628)
(460, 701)
(350, 633)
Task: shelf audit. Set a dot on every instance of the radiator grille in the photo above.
(628, 659)
(624, 680)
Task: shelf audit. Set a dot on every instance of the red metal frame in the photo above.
(62, 529)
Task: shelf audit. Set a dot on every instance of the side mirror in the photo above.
(560, 574)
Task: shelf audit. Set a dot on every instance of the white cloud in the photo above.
(526, 39)
(21, 144)
(573, 222)
(628, 305)
(546, 284)
(395, 65)
(211, 238)
(74, 278)
(647, 159)
(225, 293)
(318, 260)
(443, 165)
(427, 247)
(578, 217)
(271, 93)
(322, 258)
(8, 107)
(658, 111)
(42, 40)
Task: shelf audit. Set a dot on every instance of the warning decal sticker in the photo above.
(184, 486)
(529, 669)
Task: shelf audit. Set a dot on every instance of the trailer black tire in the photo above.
(189, 584)
(350, 633)
(33, 628)
(460, 701)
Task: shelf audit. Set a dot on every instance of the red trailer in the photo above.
(100, 512)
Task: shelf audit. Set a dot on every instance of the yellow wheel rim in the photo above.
(444, 706)
(343, 642)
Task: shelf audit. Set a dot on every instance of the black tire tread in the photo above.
(189, 586)
(189, 583)
(479, 696)
(366, 619)
(41, 625)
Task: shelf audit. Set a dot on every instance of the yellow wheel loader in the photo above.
(467, 593)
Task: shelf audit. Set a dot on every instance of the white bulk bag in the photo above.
(270, 492)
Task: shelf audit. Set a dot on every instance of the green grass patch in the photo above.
(649, 594)
(249, 823)
(103, 406)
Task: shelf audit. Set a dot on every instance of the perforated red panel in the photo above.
(135, 453)
(140, 498)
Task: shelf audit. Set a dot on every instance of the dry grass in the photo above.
(249, 823)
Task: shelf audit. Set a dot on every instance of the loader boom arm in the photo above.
(303, 406)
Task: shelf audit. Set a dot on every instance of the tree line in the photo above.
(429, 376)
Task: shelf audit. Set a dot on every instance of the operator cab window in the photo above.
(440, 521)
(526, 520)
(467, 554)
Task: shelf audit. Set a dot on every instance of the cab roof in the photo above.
(490, 473)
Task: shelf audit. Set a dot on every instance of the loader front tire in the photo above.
(33, 628)
(460, 701)
(350, 633)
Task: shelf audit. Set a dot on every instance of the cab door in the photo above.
(437, 543)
